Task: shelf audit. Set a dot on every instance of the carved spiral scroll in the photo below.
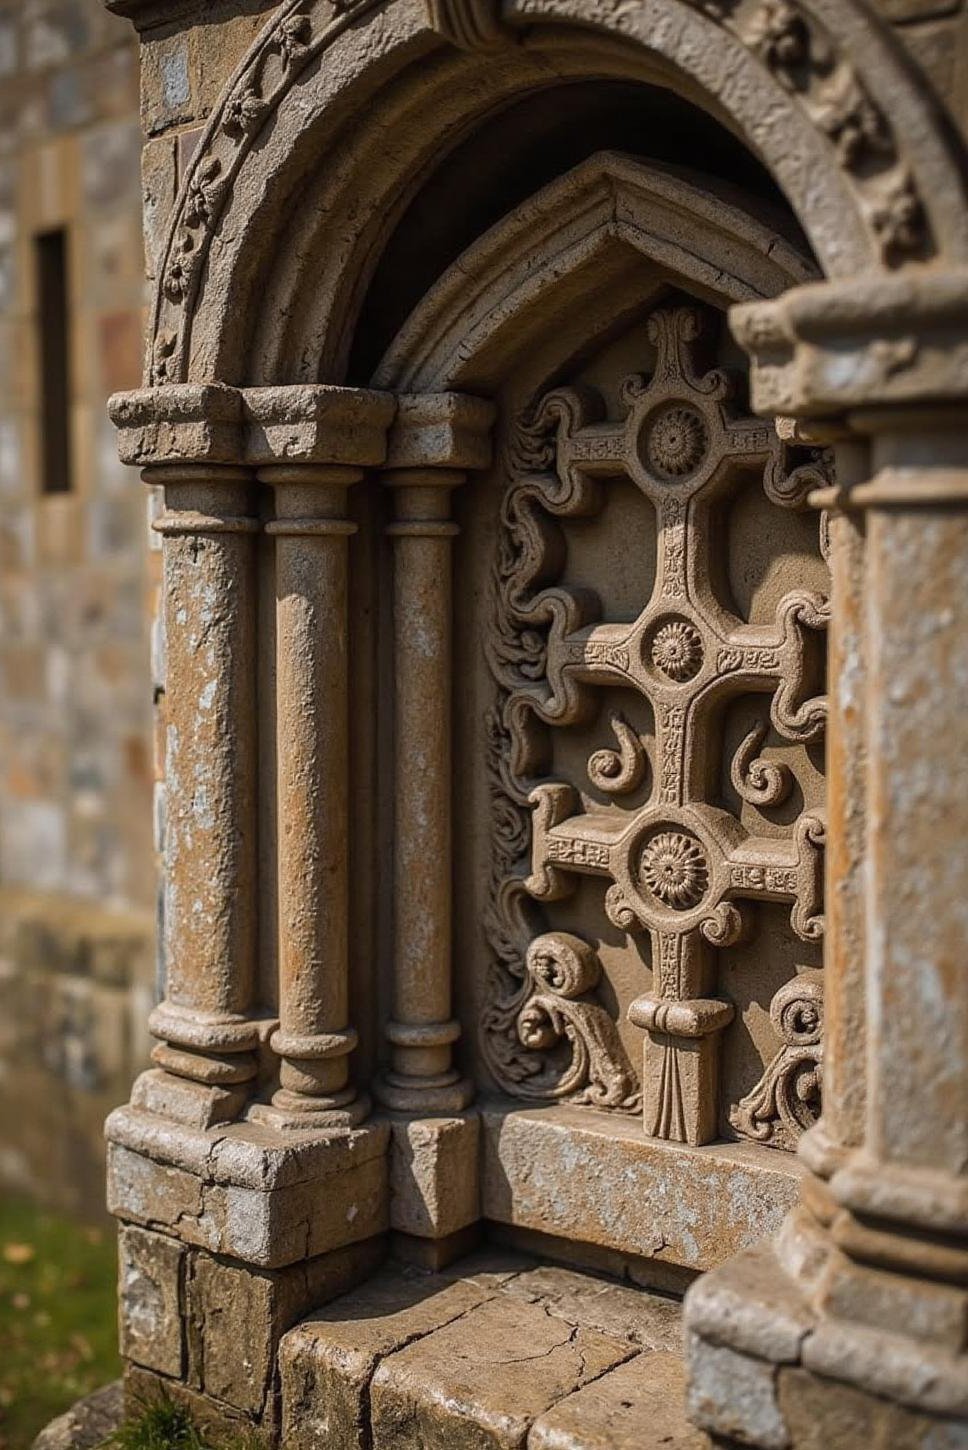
(551, 1010)
(786, 1100)
(619, 771)
(760, 782)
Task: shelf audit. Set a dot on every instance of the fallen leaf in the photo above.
(18, 1253)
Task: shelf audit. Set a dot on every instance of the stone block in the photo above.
(639, 1403)
(821, 1414)
(434, 1174)
(686, 1206)
(240, 1191)
(144, 1191)
(482, 1380)
(150, 1294)
(327, 1362)
(217, 1419)
(236, 1318)
(642, 1318)
(749, 1304)
(733, 1395)
(87, 1424)
(159, 184)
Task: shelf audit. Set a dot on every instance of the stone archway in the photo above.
(848, 136)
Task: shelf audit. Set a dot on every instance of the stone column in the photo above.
(855, 1316)
(314, 1039)
(205, 1021)
(421, 1031)
(434, 444)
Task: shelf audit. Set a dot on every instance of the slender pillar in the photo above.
(903, 1191)
(205, 1021)
(314, 1038)
(422, 1031)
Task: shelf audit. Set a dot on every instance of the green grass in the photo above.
(166, 1426)
(58, 1322)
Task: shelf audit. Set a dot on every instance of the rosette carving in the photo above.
(675, 869)
(786, 1100)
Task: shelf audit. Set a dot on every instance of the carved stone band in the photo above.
(699, 1017)
(191, 522)
(317, 1045)
(186, 1028)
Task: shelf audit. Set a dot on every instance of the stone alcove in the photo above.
(301, 393)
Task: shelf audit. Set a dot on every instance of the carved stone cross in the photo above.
(680, 866)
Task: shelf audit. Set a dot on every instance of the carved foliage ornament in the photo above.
(678, 867)
(786, 36)
(786, 1100)
(800, 53)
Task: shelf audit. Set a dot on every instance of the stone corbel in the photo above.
(856, 1310)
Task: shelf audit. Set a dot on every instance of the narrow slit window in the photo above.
(53, 321)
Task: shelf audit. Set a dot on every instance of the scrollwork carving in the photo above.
(678, 865)
(553, 1007)
(760, 782)
(619, 771)
(786, 1100)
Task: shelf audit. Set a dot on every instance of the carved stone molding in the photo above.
(786, 1100)
(679, 867)
(256, 426)
(808, 49)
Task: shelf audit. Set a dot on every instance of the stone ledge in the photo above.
(691, 1207)
(497, 1352)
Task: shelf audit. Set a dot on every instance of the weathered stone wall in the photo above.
(76, 864)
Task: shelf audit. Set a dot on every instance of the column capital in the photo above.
(254, 427)
(829, 350)
(448, 431)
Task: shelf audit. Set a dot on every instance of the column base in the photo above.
(292, 1112)
(245, 1189)
(450, 1093)
(773, 1365)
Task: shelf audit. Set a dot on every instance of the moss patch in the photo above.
(58, 1317)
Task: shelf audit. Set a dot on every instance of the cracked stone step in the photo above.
(496, 1352)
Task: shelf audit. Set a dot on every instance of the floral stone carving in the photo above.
(679, 868)
(786, 1100)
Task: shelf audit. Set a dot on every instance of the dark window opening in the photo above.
(53, 322)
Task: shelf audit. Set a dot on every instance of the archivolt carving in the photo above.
(679, 867)
(786, 1100)
(807, 46)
